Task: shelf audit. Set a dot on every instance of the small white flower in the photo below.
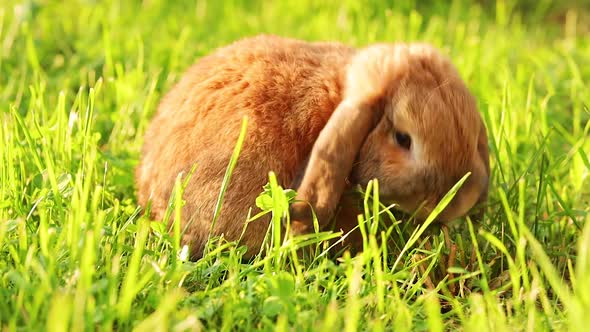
(183, 254)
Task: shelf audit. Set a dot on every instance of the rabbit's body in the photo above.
(313, 109)
(278, 83)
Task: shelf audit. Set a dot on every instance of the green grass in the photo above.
(79, 80)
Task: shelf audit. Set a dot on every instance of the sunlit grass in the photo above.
(79, 82)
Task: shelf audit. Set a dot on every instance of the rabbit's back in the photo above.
(287, 88)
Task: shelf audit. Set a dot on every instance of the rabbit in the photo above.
(324, 116)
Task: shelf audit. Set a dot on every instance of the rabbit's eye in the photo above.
(403, 139)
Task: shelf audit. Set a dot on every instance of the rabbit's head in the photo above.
(407, 119)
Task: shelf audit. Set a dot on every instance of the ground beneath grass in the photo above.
(79, 81)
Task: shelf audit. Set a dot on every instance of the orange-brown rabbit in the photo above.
(326, 111)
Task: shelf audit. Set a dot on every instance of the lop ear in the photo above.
(484, 154)
(330, 162)
(482, 147)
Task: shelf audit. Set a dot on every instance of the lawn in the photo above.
(79, 81)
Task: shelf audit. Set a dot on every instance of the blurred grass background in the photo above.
(79, 80)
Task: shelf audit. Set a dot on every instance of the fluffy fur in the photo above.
(320, 114)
